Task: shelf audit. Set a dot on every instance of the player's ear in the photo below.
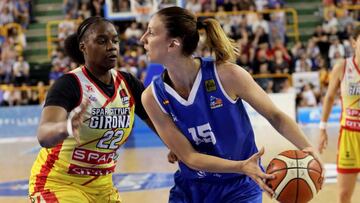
(82, 47)
(174, 43)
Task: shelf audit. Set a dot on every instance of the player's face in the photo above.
(101, 47)
(155, 40)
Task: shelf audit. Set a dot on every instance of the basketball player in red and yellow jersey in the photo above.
(346, 76)
(80, 139)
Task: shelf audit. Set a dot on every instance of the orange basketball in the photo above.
(298, 176)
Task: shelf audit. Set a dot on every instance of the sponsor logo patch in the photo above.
(210, 85)
(215, 102)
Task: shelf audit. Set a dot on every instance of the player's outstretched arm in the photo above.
(334, 84)
(238, 83)
(184, 151)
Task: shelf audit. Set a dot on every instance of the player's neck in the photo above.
(182, 73)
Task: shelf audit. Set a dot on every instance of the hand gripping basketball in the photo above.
(252, 169)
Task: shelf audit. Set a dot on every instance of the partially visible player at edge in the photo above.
(79, 168)
(346, 77)
(196, 107)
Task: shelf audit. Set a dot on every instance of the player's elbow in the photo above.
(46, 143)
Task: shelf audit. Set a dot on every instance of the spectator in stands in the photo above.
(6, 16)
(61, 60)
(193, 6)
(280, 46)
(84, 11)
(124, 6)
(96, 7)
(129, 67)
(55, 73)
(312, 50)
(133, 31)
(22, 13)
(66, 28)
(303, 64)
(297, 49)
(11, 96)
(21, 70)
(279, 64)
(71, 8)
(336, 49)
(274, 3)
(308, 95)
(331, 22)
(18, 39)
(6, 65)
(260, 22)
(261, 4)
(260, 37)
(261, 58)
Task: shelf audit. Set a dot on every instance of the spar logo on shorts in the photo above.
(92, 157)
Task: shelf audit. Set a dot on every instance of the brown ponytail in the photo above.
(225, 48)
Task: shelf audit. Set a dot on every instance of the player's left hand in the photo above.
(172, 158)
(75, 119)
(314, 153)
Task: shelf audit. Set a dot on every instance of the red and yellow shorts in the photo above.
(348, 157)
(63, 191)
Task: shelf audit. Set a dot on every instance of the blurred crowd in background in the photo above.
(261, 38)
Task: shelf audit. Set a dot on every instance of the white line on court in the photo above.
(8, 140)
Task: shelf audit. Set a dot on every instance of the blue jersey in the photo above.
(214, 123)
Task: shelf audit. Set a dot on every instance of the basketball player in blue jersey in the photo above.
(196, 107)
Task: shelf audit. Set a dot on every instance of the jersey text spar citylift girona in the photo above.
(350, 96)
(348, 159)
(107, 125)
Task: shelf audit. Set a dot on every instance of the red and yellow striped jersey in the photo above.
(106, 126)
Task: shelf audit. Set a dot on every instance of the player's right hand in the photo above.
(172, 158)
(323, 141)
(75, 119)
(252, 169)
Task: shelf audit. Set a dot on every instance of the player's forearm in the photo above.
(208, 163)
(287, 127)
(52, 133)
(326, 109)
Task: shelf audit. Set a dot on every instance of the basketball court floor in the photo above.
(143, 174)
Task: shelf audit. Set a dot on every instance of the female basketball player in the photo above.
(196, 107)
(346, 76)
(79, 168)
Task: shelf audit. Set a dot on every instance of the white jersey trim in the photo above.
(192, 94)
(156, 98)
(222, 88)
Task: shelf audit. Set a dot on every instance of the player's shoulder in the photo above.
(66, 79)
(228, 69)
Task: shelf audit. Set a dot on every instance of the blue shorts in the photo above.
(234, 190)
